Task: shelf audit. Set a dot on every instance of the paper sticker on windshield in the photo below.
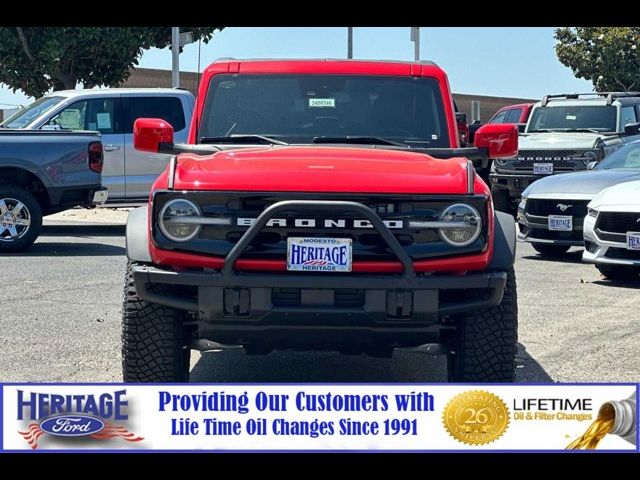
(571, 117)
(322, 102)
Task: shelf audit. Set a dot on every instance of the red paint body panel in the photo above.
(524, 115)
(322, 169)
(325, 169)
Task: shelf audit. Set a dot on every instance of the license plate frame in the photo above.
(543, 168)
(335, 255)
(633, 240)
(560, 223)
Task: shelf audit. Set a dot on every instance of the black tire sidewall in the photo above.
(35, 212)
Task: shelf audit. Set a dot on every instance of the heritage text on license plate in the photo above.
(311, 254)
(561, 223)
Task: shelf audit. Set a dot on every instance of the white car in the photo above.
(612, 231)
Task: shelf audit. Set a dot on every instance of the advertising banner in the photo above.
(318, 417)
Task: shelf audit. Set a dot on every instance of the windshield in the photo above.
(626, 157)
(592, 117)
(28, 114)
(298, 108)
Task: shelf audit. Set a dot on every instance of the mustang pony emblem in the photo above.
(563, 207)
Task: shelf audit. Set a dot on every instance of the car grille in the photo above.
(618, 222)
(271, 242)
(563, 160)
(545, 207)
(622, 254)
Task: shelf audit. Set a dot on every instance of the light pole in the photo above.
(175, 57)
(349, 42)
(415, 37)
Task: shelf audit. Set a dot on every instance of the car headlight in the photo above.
(588, 157)
(172, 216)
(501, 162)
(465, 225)
(591, 212)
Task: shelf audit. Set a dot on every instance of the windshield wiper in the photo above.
(360, 140)
(243, 139)
(591, 130)
(546, 130)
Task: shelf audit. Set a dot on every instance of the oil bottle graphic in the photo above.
(616, 417)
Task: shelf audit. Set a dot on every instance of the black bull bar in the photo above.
(493, 282)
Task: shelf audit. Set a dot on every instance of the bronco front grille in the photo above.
(368, 245)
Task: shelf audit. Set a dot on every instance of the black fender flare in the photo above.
(137, 236)
(504, 242)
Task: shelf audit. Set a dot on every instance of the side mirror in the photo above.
(149, 133)
(632, 128)
(591, 165)
(461, 117)
(500, 139)
(521, 127)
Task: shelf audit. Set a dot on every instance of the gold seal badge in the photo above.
(476, 417)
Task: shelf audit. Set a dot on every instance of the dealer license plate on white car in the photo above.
(310, 254)
(561, 223)
(542, 168)
(633, 240)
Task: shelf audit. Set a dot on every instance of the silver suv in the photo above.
(565, 133)
(128, 173)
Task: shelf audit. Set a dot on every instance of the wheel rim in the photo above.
(15, 219)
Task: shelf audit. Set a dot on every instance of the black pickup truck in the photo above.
(44, 172)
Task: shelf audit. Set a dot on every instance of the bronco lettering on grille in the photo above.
(319, 223)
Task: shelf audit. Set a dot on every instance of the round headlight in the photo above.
(500, 162)
(170, 220)
(466, 225)
(589, 157)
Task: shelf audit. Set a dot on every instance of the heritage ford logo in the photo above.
(72, 425)
(319, 223)
(74, 415)
(563, 207)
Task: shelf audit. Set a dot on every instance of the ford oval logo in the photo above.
(72, 425)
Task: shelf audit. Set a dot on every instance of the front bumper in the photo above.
(513, 183)
(283, 309)
(535, 229)
(317, 311)
(602, 251)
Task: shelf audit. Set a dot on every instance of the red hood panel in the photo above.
(322, 169)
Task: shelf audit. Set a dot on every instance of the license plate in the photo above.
(561, 223)
(633, 240)
(542, 168)
(319, 254)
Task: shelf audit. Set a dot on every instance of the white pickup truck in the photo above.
(127, 173)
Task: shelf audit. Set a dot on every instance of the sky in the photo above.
(500, 61)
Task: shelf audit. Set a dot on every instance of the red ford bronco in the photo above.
(321, 205)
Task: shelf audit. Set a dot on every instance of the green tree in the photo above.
(609, 57)
(38, 59)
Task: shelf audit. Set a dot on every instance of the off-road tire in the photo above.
(501, 200)
(152, 339)
(550, 250)
(35, 212)
(619, 272)
(485, 342)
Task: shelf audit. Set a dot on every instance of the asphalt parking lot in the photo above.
(60, 322)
